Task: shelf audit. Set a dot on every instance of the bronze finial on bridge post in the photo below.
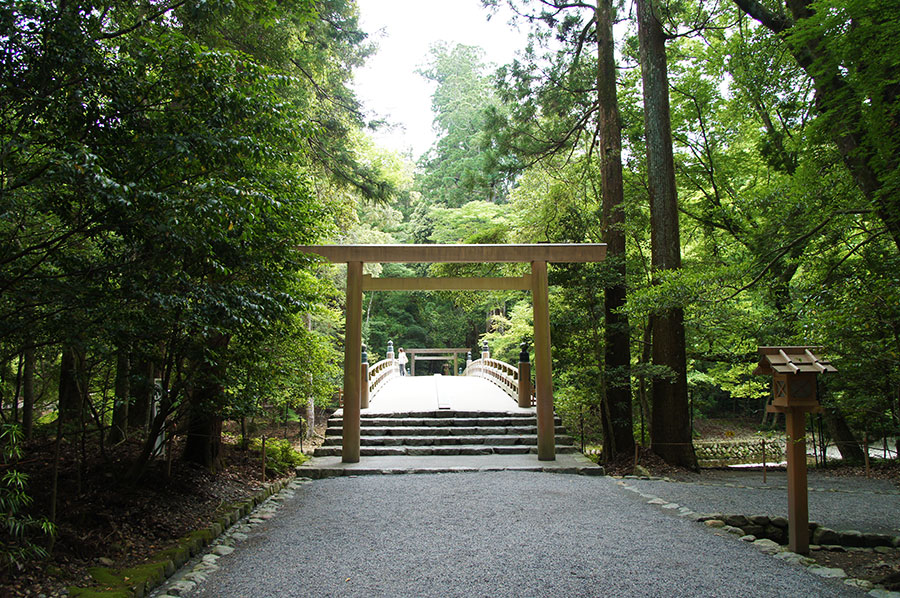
(485, 351)
(793, 371)
(524, 377)
(364, 380)
(390, 350)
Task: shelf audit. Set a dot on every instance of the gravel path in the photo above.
(493, 534)
(840, 503)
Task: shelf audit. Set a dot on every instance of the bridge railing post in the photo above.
(364, 380)
(524, 377)
(389, 354)
(485, 352)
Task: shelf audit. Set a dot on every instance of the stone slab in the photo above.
(323, 467)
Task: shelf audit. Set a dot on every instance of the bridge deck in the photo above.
(430, 393)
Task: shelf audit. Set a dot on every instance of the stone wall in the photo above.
(776, 529)
(727, 452)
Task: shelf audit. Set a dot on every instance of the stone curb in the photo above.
(766, 487)
(196, 571)
(139, 581)
(742, 526)
(332, 472)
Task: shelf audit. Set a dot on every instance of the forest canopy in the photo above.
(161, 160)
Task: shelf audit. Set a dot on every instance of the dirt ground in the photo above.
(105, 520)
(864, 564)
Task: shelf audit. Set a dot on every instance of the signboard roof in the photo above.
(792, 360)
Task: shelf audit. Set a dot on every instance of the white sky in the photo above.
(388, 85)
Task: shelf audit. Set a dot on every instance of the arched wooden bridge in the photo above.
(489, 410)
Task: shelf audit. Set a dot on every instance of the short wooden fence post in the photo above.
(264, 459)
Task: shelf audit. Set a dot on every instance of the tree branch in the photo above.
(784, 250)
(140, 22)
(776, 22)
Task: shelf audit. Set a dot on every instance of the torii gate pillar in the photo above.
(542, 362)
(352, 356)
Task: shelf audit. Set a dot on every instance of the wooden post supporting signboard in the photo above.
(793, 371)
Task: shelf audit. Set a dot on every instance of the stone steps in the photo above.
(444, 433)
(437, 422)
(496, 440)
(467, 449)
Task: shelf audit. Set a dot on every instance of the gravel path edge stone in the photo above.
(193, 572)
(165, 564)
(724, 523)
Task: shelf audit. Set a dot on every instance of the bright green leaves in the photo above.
(459, 168)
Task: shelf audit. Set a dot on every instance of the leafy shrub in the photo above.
(281, 456)
(17, 530)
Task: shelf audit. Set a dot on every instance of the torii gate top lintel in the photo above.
(537, 254)
(516, 253)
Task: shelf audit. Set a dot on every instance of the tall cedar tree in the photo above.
(618, 434)
(670, 422)
(571, 116)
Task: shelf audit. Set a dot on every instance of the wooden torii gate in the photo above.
(432, 354)
(538, 255)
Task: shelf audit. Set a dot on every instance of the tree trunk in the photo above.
(204, 431)
(843, 436)
(119, 429)
(71, 384)
(863, 128)
(154, 429)
(617, 419)
(28, 393)
(139, 410)
(646, 356)
(18, 391)
(670, 423)
(310, 418)
(204, 439)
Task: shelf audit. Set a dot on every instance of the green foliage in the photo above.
(20, 533)
(510, 331)
(856, 315)
(159, 166)
(460, 167)
(281, 456)
(467, 222)
(851, 52)
(578, 405)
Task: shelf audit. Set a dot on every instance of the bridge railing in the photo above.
(381, 373)
(499, 373)
(514, 381)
